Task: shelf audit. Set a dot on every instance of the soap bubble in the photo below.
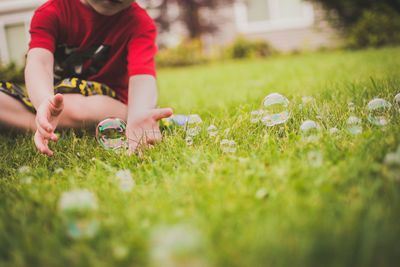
(354, 125)
(397, 101)
(193, 125)
(315, 158)
(177, 245)
(308, 99)
(59, 170)
(379, 111)
(254, 116)
(275, 109)
(333, 130)
(392, 164)
(110, 133)
(228, 146)
(24, 169)
(189, 141)
(24, 172)
(212, 130)
(77, 208)
(261, 193)
(351, 107)
(310, 130)
(125, 180)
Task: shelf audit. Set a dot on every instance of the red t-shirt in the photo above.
(91, 46)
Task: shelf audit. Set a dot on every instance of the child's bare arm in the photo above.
(143, 116)
(39, 83)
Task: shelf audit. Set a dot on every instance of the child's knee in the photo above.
(75, 112)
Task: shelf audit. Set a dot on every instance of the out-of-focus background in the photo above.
(194, 31)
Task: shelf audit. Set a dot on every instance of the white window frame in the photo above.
(274, 23)
(12, 19)
(15, 12)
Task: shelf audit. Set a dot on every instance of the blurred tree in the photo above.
(345, 13)
(365, 22)
(190, 14)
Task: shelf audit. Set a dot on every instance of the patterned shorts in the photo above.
(66, 86)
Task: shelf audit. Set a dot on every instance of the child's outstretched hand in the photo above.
(143, 129)
(47, 116)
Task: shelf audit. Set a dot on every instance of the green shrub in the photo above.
(244, 48)
(375, 28)
(185, 54)
(12, 73)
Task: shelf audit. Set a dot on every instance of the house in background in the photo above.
(15, 16)
(285, 24)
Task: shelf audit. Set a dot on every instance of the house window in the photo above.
(257, 10)
(266, 15)
(16, 42)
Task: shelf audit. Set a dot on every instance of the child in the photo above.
(100, 54)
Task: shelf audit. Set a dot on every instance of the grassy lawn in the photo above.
(267, 204)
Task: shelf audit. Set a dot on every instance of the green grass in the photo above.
(345, 212)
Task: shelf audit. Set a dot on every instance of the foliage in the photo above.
(264, 205)
(244, 48)
(185, 54)
(12, 73)
(365, 22)
(375, 28)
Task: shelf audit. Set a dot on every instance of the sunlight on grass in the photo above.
(281, 199)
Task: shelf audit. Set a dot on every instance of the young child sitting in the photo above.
(88, 60)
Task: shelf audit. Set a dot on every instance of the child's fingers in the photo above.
(42, 144)
(43, 123)
(57, 104)
(161, 113)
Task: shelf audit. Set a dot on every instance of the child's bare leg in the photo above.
(79, 111)
(14, 114)
(85, 111)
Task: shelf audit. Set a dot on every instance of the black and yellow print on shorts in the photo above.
(66, 86)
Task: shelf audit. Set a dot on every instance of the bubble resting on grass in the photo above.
(77, 208)
(275, 109)
(228, 146)
(397, 102)
(379, 109)
(125, 180)
(254, 116)
(392, 164)
(193, 125)
(24, 169)
(334, 130)
(179, 245)
(351, 107)
(261, 193)
(189, 141)
(24, 172)
(59, 170)
(212, 130)
(315, 158)
(308, 99)
(110, 133)
(354, 125)
(310, 130)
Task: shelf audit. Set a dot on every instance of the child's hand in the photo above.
(143, 130)
(47, 117)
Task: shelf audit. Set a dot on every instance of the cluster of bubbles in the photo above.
(274, 111)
